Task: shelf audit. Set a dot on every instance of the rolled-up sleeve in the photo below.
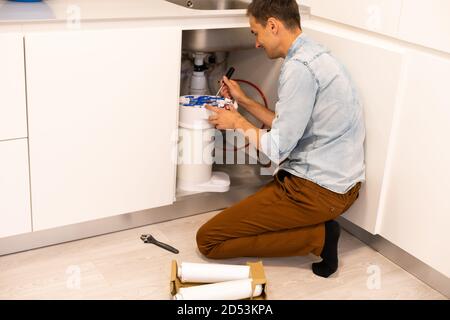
(296, 98)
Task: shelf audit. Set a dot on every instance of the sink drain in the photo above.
(189, 4)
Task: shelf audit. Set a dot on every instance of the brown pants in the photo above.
(285, 218)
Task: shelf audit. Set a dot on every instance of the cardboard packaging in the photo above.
(256, 271)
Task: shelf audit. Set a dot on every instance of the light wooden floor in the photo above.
(120, 266)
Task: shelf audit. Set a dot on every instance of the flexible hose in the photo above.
(263, 96)
(265, 104)
(257, 89)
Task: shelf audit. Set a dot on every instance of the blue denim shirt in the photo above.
(318, 132)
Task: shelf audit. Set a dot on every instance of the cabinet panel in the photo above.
(12, 88)
(15, 213)
(102, 117)
(375, 15)
(375, 67)
(426, 23)
(417, 206)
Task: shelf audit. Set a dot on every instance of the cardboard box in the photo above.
(256, 271)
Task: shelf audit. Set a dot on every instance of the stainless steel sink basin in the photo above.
(213, 40)
(211, 4)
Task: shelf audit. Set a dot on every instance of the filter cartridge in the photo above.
(196, 146)
(207, 273)
(228, 290)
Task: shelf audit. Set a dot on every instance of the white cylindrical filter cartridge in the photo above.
(228, 290)
(196, 143)
(196, 146)
(208, 273)
(196, 152)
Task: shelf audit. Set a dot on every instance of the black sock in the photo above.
(329, 254)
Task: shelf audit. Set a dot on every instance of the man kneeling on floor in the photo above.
(317, 136)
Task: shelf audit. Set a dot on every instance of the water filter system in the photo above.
(196, 145)
(196, 136)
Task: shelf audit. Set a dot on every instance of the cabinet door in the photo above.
(12, 88)
(102, 117)
(375, 15)
(426, 23)
(417, 205)
(376, 68)
(15, 214)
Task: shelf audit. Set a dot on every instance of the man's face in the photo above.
(264, 38)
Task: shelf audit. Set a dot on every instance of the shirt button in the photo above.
(332, 209)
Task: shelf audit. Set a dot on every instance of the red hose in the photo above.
(265, 104)
(257, 89)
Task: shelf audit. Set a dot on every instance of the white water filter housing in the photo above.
(195, 150)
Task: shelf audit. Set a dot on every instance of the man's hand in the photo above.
(232, 90)
(230, 118)
(224, 118)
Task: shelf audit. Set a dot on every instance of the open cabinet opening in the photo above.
(207, 157)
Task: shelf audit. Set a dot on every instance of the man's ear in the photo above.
(273, 25)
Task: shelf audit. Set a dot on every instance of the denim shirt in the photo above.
(318, 131)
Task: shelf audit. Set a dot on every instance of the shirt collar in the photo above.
(295, 45)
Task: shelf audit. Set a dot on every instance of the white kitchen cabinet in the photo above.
(13, 121)
(417, 204)
(102, 120)
(375, 67)
(380, 16)
(426, 23)
(15, 214)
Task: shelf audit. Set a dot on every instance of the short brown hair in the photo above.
(286, 11)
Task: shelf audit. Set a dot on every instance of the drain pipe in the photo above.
(199, 83)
